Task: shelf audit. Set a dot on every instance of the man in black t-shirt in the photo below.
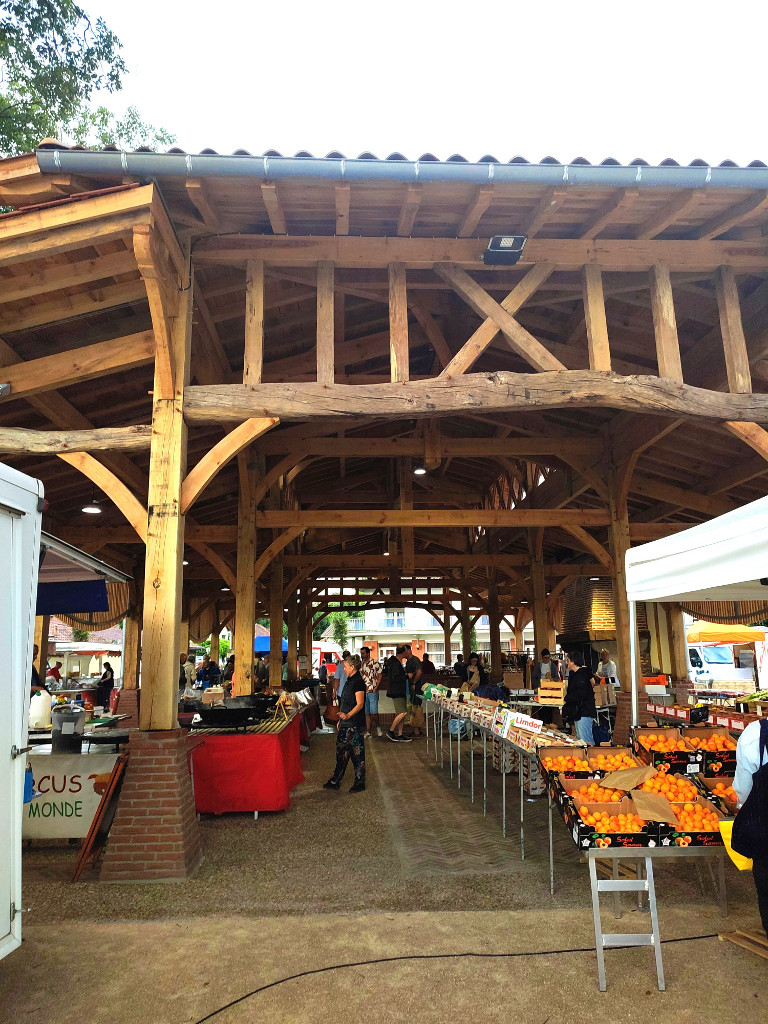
(397, 682)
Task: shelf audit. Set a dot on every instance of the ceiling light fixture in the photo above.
(594, 579)
(419, 470)
(225, 588)
(504, 250)
(185, 562)
(92, 508)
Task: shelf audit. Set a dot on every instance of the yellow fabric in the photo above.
(742, 863)
(720, 633)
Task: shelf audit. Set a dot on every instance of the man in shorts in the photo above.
(371, 672)
(397, 682)
(414, 670)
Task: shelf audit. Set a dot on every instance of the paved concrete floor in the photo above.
(408, 868)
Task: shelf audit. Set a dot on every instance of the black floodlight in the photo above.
(504, 250)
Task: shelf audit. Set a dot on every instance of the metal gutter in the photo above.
(343, 170)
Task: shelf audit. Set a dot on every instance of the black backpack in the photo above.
(750, 829)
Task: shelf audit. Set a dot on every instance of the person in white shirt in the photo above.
(748, 762)
(606, 670)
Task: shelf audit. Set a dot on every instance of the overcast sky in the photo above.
(593, 79)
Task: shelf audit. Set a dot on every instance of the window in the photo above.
(357, 625)
(717, 655)
(394, 620)
(484, 620)
(435, 623)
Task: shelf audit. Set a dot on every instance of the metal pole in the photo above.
(458, 753)
(450, 744)
(485, 772)
(551, 849)
(522, 807)
(471, 760)
(503, 797)
(633, 662)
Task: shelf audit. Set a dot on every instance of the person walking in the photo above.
(460, 668)
(579, 706)
(371, 673)
(397, 683)
(350, 737)
(104, 689)
(750, 830)
(414, 670)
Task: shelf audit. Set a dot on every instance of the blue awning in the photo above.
(74, 596)
(261, 645)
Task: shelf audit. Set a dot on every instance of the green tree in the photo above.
(472, 639)
(80, 636)
(223, 646)
(340, 628)
(53, 59)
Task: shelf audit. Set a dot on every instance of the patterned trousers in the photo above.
(350, 744)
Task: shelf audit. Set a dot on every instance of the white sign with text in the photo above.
(71, 787)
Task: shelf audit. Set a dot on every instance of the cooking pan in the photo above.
(223, 717)
(258, 701)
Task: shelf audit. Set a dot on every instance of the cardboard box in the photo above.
(669, 835)
(594, 752)
(706, 785)
(687, 760)
(513, 680)
(605, 695)
(577, 752)
(213, 695)
(714, 763)
(586, 836)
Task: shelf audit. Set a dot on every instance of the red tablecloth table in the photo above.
(246, 771)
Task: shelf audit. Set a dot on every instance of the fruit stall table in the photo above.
(250, 770)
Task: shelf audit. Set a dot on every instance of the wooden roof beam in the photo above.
(342, 194)
(274, 208)
(409, 210)
(603, 216)
(18, 440)
(543, 211)
(726, 219)
(200, 197)
(495, 518)
(474, 211)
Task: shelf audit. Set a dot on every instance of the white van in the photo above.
(711, 666)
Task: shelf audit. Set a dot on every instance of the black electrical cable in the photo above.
(426, 956)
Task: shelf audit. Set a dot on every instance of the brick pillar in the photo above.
(623, 718)
(155, 834)
(128, 704)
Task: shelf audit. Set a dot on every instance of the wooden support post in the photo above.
(165, 537)
(519, 645)
(734, 344)
(184, 637)
(398, 323)
(276, 625)
(447, 658)
(619, 543)
(245, 594)
(292, 622)
(494, 625)
(326, 326)
(466, 627)
(594, 313)
(539, 586)
(215, 648)
(42, 628)
(406, 502)
(131, 649)
(678, 645)
(665, 324)
(253, 359)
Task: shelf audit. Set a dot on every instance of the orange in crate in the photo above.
(604, 822)
(726, 792)
(565, 764)
(612, 762)
(676, 790)
(695, 818)
(714, 745)
(658, 743)
(594, 793)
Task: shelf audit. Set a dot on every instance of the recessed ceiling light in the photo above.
(594, 579)
(523, 602)
(419, 471)
(225, 588)
(185, 562)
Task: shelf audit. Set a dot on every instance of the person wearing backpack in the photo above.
(750, 829)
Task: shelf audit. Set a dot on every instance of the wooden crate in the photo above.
(551, 692)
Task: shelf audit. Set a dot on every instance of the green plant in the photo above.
(80, 636)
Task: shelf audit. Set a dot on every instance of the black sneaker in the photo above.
(405, 739)
(359, 787)
(330, 784)
(391, 736)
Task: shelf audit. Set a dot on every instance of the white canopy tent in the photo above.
(725, 559)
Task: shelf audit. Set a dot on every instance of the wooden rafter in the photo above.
(496, 518)
(342, 195)
(274, 208)
(199, 196)
(115, 489)
(398, 324)
(501, 391)
(754, 203)
(668, 214)
(278, 544)
(487, 331)
(54, 442)
(474, 211)
(155, 267)
(409, 210)
(214, 460)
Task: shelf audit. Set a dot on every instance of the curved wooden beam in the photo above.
(221, 565)
(289, 462)
(114, 488)
(296, 582)
(213, 461)
(500, 391)
(275, 548)
(592, 545)
(56, 442)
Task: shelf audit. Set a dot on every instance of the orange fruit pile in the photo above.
(714, 745)
(604, 822)
(596, 794)
(661, 744)
(726, 792)
(695, 818)
(673, 788)
(612, 762)
(565, 764)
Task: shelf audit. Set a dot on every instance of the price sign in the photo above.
(519, 721)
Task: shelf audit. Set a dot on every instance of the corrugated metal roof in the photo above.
(455, 158)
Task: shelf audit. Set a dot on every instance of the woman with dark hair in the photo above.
(350, 738)
(476, 674)
(579, 706)
(104, 689)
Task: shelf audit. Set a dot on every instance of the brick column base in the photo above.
(623, 719)
(128, 704)
(155, 834)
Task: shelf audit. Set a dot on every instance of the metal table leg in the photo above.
(485, 773)
(442, 718)
(458, 754)
(551, 848)
(598, 927)
(471, 760)
(503, 798)
(426, 723)
(522, 808)
(450, 745)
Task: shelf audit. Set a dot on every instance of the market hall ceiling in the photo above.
(95, 293)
